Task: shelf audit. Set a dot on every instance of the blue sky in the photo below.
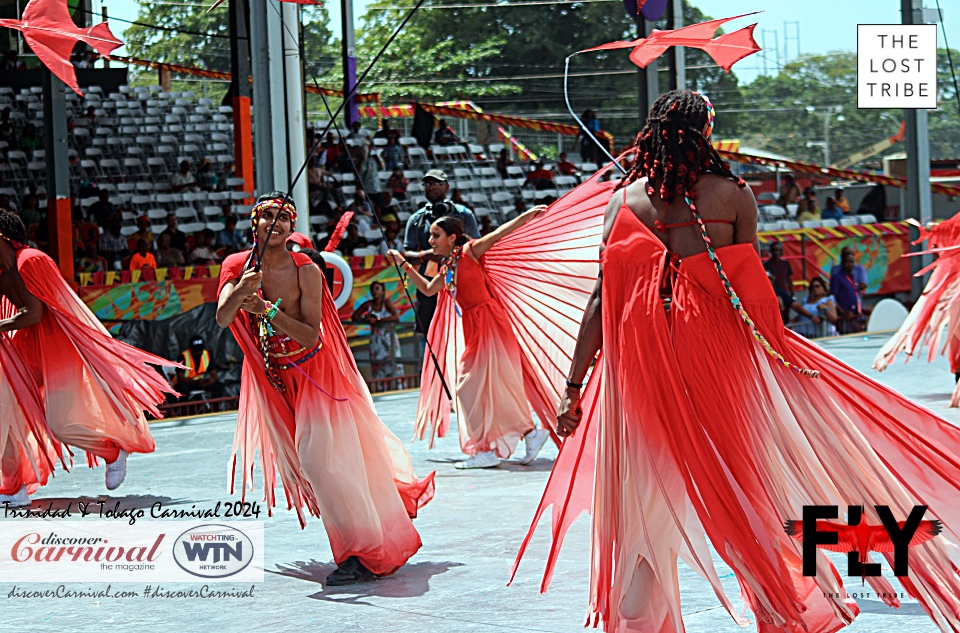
(824, 25)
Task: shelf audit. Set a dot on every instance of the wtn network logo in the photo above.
(213, 551)
(857, 539)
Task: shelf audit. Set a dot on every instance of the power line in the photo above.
(158, 27)
(497, 5)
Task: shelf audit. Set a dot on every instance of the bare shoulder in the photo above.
(628, 196)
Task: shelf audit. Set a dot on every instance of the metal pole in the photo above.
(103, 13)
(240, 89)
(648, 83)
(296, 126)
(58, 173)
(919, 204)
(826, 137)
(680, 51)
(351, 113)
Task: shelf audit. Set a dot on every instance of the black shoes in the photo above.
(350, 572)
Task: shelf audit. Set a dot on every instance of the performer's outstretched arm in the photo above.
(590, 338)
(428, 287)
(482, 245)
(589, 342)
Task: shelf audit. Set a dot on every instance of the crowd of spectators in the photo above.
(829, 308)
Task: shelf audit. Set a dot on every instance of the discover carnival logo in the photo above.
(149, 551)
(213, 551)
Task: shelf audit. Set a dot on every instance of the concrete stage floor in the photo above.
(455, 584)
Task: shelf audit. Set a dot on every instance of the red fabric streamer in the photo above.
(338, 232)
(726, 50)
(51, 34)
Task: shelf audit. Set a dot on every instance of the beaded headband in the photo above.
(711, 116)
(273, 203)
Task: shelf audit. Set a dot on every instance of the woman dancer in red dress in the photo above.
(716, 422)
(95, 388)
(307, 410)
(490, 390)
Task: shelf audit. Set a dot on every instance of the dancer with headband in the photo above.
(94, 388)
(305, 407)
(717, 422)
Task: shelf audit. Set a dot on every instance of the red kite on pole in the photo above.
(51, 34)
(726, 50)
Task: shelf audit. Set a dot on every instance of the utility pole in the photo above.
(648, 83)
(240, 92)
(919, 204)
(58, 173)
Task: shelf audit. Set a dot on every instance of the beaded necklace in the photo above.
(737, 304)
(449, 271)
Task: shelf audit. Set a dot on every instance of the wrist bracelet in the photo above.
(272, 310)
(574, 385)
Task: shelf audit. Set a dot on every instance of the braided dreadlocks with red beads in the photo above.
(673, 148)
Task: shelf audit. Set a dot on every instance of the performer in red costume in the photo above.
(305, 407)
(520, 291)
(708, 425)
(95, 388)
(934, 320)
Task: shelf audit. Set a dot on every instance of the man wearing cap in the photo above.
(416, 244)
(197, 374)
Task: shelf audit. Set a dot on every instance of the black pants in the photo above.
(424, 309)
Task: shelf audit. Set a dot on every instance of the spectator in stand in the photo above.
(444, 135)
(819, 312)
(5, 203)
(539, 178)
(503, 161)
(397, 185)
(565, 167)
(390, 219)
(782, 276)
(831, 211)
(103, 210)
(144, 232)
(456, 197)
(387, 132)
(8, 133)
(331, 151)
(30, 214)
(91, 115)
(11, 61)
(393, 241)
(392, 155)
(362, 209)
(178, 239)
(89, 261)
(30, 140)
(344, 162)
(808, 208)
(369, 166)
(789, 191)
(358, 133)
(352, 240)
(207, 178)
(519, 206)
(589, 151)
(231, 238)
(113, 246)
(848, 282)
(842, 203)
(486, 225)
(183, 180)
(167, 255)
(143, 258)
(204, 253)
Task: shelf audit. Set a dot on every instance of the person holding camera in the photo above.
(416, 243)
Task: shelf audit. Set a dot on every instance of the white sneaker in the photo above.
(481, 460)
(117, 471)
(19, 500)
(534, 441)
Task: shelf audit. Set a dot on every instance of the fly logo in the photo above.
(213, 551)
